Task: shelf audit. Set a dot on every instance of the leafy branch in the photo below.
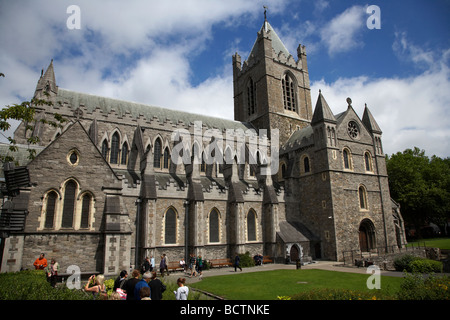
(25, 112)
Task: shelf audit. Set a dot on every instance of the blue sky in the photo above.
(177, 54)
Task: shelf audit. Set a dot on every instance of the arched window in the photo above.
(50, 210)
(368, 162)
(288, 92)
(105, 149)
(362, 198)
(157, 154)
(251, 96)
(347, 159)
(85, 211)
(69, 204)
(115, 143)
(203, 164)
(283, 171)
(306, 164)
(166, 161)
(214, 226)
(228, 159)
(124, 157)
(170, 224)
(251, 225)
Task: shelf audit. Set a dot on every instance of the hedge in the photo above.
(33, 285)
(411, 263)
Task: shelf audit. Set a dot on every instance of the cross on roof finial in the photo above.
(265, 12)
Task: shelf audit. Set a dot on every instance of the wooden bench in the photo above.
(266, 259)
(220, 263)
(174, 266)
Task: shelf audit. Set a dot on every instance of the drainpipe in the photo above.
(138, 232)
(186, 231)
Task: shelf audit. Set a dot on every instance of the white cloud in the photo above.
(410, 112)
(342, 33)
(405, 50)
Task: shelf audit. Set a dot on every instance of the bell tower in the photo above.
(271, 88)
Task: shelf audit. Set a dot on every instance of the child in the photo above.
(182, 291)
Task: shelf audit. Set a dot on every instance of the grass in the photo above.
(268, 285)
(442, 243)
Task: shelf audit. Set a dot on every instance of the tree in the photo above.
(25, 112)
(421, 185)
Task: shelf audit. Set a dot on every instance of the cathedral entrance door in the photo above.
(294, 254)
(366, 235)
(363, 239)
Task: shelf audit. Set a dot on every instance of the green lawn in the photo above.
(267, 285)
(442, 243)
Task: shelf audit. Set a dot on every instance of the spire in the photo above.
(369, 121)
(322, 111)
(47, 80)
(269, 32)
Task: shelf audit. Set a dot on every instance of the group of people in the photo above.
(137, 287)
(258, 258)
(147, 287)
(149, 265)
(51, 270)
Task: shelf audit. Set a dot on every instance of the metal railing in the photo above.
(350, 256)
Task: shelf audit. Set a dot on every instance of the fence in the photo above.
(355, 257)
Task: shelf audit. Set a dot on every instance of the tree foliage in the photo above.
(25, 112)
(421, 185)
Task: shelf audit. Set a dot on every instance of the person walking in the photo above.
(192, 265)
(162, 266)
(200, 267)
(182, 291)
(156, 287)
(152, 263)
(166, 263)
(237, 261)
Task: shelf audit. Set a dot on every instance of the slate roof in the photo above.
(122, 108)
(277, 44)
(291, 232)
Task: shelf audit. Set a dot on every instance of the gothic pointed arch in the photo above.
(157, 153)
(214, 225)
(367, 235)
(251, 225)
(289, 87)
(170, 225)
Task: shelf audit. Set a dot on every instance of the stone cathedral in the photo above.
(105, 191)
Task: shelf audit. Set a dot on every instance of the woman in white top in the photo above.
(182, 291)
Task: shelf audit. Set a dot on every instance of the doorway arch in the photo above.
(294, 252)
(367, 239)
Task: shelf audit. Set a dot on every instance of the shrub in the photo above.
(246, 260)
(426, 266)
(411, 263)
(33, 285)
(402, 263)
(417, 287)
(339, 294)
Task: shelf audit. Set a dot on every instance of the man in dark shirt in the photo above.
(156, 287)
(131, 283)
